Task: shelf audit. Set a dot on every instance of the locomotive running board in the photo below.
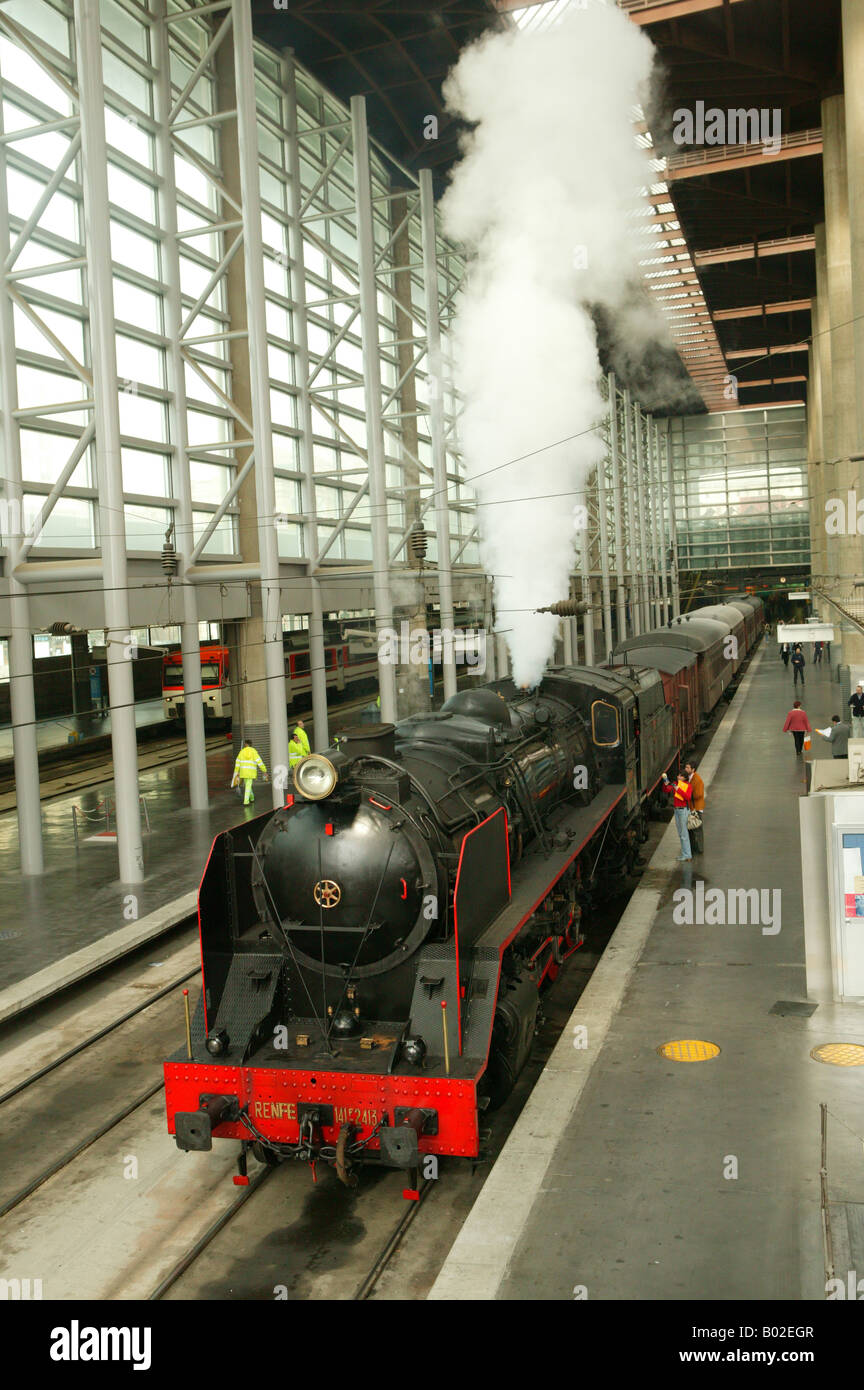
(537, 874)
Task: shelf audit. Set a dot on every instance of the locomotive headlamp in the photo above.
(315, 777)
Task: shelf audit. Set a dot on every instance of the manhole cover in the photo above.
(688, 1050)
(839, 1054)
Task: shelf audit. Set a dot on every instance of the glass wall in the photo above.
(48, 284)
(741, 492)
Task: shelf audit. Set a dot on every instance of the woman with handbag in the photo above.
(697, 808)
(682, 795)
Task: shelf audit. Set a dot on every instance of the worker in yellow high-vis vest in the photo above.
(300, 736)
(248, 762)
(296, 750)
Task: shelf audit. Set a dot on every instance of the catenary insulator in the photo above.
(418, 541)
(169, 559)
(566, 608)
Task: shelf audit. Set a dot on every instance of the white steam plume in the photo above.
(546, 197)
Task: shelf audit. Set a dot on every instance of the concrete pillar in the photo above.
(816, 460)
(825, 438)
(842, 335)
(853, 99)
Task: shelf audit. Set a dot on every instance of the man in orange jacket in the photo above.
(797, 724)
(682, 796)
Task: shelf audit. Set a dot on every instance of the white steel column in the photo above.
(630, 489)
(567, 640)
(436, 426)
(656, 517)
(673, 525)
(585, 568)
(184, 538)
(654, 537)
(21, 690)
(317, 657)
(112, 537)
(660, 479)
(489, 636)
(603, 523)
(503, 656)
(372, 385)
(620, 590)
(644, 562)
(259, 374)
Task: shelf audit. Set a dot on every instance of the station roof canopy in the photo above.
(395, 54)
(739, 290)
(748, 218)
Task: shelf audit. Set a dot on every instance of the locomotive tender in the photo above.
(373, 951)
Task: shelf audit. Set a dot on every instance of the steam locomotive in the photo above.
(373, 951)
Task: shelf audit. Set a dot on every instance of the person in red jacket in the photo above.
(797, 724)
(682, 796)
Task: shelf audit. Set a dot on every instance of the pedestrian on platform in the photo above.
(697, 786)
(797, 659)
(817, 654)
(248, 762)
(797, 724)
(856, 705)
(785, 653)
(682, 795)
(97, 689)
(300, 736)
(296, 749)
(838, 737)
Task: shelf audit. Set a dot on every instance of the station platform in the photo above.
(79, 899)
(92, 730)
(629, 1176)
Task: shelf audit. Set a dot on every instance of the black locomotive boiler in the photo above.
(372, 951)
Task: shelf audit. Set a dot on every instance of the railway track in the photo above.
(304, 1233)
(115, 1117)
(91, 769)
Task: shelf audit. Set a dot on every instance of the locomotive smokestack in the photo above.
(566, 608)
